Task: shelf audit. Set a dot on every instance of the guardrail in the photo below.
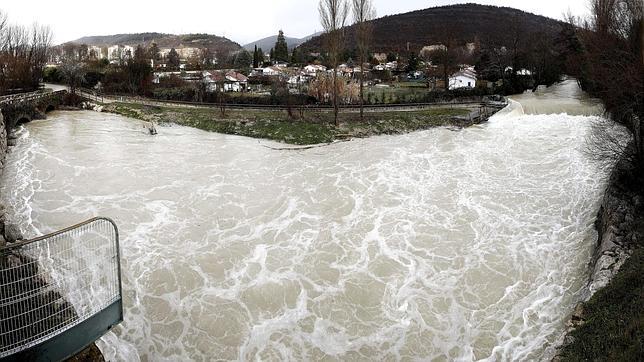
(59, 292)
(26, 97)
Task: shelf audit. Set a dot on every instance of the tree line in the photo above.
(23, 55)
(606, 55)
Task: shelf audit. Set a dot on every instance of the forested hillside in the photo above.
(459, 24)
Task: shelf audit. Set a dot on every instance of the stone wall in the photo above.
(616, 225)
(3, 156)
(3, 142)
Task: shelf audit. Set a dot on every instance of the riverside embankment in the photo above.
(608, 324)
(306, 127)
(450, 243)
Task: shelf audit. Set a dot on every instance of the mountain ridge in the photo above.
(163, 40)
(461, 23)
(269, 42)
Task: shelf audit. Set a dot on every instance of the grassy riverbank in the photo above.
(614, 319)
(313, 127)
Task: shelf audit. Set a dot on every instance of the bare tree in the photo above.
(333, 16)
(3, 58)
(41, 40)
(73, 72)
(607, 143)
(363, 12)
(23, 55)
(3, 25)
(220, 81)
(613, 63)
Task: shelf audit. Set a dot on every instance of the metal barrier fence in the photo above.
(59, 292)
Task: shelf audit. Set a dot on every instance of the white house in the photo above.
(465, 78)
(232, 81)
(271, 71)
(392, 65)
(313, 69)
(522, 71)
(235, 82)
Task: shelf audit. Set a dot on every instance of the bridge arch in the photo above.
(23, 118)
(50, 107)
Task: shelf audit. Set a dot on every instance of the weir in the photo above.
(59, 292)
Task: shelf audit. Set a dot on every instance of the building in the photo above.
(187, 53)
(522, 72)
(344, 69)
(128, 51)
(312, 70)
(163, 53)
(380, 57)
(271, 71)
(114, 52)
(118, 52)
(189, 76)
(235, 82)
(231, 80)
(465, 78)
(96, 52)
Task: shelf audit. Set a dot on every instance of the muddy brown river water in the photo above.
(437, 245)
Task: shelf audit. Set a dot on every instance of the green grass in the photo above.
(614, 327)
(411, 84)
(292, 132)
(314, 128)
(398, 93)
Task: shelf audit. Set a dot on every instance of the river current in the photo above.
(441, 245)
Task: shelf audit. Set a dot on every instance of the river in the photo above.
(441, 244)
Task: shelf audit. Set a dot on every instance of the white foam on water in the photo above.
(469, 245)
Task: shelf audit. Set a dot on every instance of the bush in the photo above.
(52, 75)
(92, 78)
(72, 100)
(183, 93)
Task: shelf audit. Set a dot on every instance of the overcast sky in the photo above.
(240, 20)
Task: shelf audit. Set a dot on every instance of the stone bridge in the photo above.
(24, 107)
(21, 108)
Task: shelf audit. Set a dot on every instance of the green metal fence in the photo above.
(59, 292)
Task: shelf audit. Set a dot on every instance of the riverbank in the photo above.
(610, 324)
(310, 127)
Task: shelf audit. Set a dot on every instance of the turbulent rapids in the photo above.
(463, 245)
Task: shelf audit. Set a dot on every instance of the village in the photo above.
(388, 77)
